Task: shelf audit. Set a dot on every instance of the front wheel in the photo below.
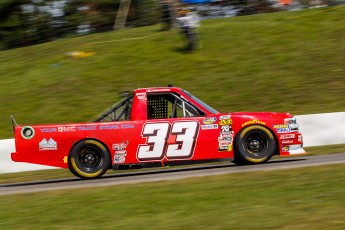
(254, 144)
(89, 159)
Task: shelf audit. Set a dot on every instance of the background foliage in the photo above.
(283, 62)
(28, 22)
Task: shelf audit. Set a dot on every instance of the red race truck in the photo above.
(158, 125)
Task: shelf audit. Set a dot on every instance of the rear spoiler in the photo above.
(14, 123)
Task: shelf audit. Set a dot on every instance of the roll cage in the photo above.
(117, 112)
(159, 105)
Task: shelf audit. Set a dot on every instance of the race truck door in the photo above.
(174, 131)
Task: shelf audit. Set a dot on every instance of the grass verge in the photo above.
(304, 198)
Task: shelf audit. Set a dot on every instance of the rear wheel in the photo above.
(89, 159)
(254, 144)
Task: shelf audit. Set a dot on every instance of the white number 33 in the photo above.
(157, 136)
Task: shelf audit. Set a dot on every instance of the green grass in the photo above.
(305, 198)
(288, 61)
(326, 149)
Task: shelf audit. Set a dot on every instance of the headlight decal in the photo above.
(27, 132)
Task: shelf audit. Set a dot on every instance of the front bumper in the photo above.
(296, 149)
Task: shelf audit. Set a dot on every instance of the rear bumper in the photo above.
(15, 157)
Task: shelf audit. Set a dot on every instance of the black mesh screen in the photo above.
(157, 107)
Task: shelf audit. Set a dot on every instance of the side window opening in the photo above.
(118, 112)
(169, 105)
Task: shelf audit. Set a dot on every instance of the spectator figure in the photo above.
(166, 16)
(188, 23)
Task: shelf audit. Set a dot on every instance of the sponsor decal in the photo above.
(47, 145)
(108, 127)
(287, 141)
(212, 126)
(283, 130)
(226, 129)
(111, 127)
(225, 122)
(285, 148)
(120, 146)
(48, 130)
(119, 159)
(120, 156)
(225, 117)
(87, 128)
(280, 126)
(27, 132)
(294, 147)
(291, 148)
(158, 90)
(225, 148)
(64, 129)
(225, 137)
(290, 120)
(127, 126)
(224, 143)
(287, 136)
(209, 120)
(292, 123)
(120, 151)
(253, 122)
(140, 96)
(293, 127)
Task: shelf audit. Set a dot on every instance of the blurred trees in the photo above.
(28, 22)
(11, 23)
(144, 12)
(91, 16)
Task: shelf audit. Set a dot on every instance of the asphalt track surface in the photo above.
(171, 173)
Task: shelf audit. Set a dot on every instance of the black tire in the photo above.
(89, 159)
(254, 144)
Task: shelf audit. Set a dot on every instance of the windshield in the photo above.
(206, 106)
